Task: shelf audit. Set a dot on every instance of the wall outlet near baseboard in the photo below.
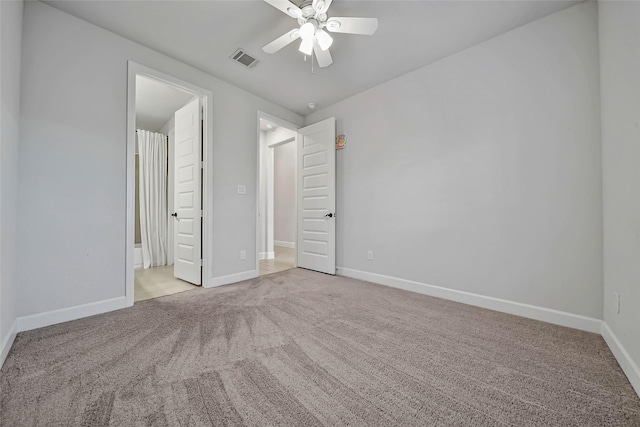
(370, 255)
(616, 302)
(243, 254)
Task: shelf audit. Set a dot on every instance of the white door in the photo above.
(316, 245)
(187, 214)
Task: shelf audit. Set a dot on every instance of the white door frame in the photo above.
(135, 69)
(280, 122)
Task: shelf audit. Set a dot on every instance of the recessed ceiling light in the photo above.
(312, 105)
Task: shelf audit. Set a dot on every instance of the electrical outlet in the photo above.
(616, 302)
(243, 255)
(370, 255)
(242, 189)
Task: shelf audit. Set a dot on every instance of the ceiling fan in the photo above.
(313, 20)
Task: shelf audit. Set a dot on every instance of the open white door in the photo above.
(188, 200)
(316, 245)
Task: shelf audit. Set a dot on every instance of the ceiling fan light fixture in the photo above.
(324, 39)
(314, 27)
(307, 30)
(306, 46)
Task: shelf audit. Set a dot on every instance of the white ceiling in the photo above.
(156, 102)
(411, 34)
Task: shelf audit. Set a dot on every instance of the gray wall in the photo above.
(284, 185)
(482, 172)
(10, 37)
(620, 77)
(72, 163)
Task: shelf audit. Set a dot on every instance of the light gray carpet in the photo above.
(304, 349)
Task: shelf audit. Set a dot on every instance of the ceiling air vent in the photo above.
(243, 58)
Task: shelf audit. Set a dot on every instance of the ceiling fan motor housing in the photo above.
(309, 13)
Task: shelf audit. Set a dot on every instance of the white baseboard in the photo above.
(630, 368)
(549, 315)
(284, 244)
(231, 278)
(625, 361)
(266, 255)
(48, 318)
(8, 342)
(137, 257)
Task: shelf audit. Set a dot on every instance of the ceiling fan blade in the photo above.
(282, 41)
(287, 7)
(365, 26)
(323, 56)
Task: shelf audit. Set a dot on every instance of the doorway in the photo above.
(167, 135)
(314, 186)
(277, 214)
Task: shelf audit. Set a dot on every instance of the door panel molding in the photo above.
(187, 236)
(316, 245)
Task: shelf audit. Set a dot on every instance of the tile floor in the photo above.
(284, 260)
(157, 282)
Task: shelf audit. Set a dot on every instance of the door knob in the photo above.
(330, 215)
(175, 214)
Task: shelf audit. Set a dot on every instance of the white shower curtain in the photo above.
(152, 152)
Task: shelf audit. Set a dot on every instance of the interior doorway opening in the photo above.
(156, 106)
(167, 137)
(314, 179)
(277, 200)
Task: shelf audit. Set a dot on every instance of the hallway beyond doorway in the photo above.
(284, 260)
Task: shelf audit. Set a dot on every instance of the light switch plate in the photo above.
(242, 189)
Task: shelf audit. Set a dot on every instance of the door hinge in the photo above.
(201, 164)
(200, 262)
